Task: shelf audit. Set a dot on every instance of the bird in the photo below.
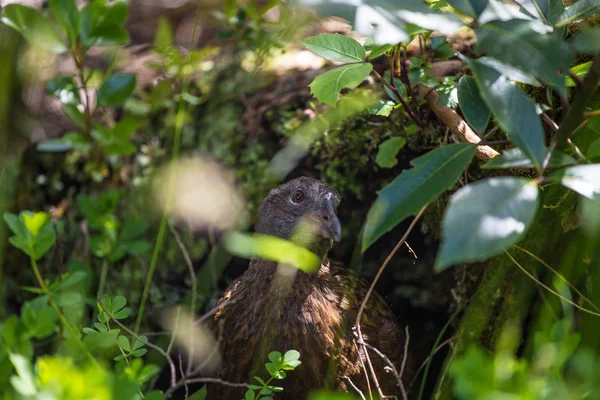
(275, 307)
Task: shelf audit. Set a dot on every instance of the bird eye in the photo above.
(298, 197)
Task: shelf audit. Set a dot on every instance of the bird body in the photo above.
(275, 307)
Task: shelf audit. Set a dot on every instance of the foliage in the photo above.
(276, 368)
(65, 344)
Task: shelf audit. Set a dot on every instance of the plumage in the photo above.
(278, 308)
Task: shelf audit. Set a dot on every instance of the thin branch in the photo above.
(362, 396)
(154, 347)
(405, 357)
(372, 287)
(187, 390)
(396, 92)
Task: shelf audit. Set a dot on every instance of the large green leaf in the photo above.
(535, 52)
(336, 47)
(68, 17)
(326, 87)
(432, 174)
(588, 39)
(472, 105)
(548, 10)
(472, 8)
(512, 73)
(514, 111)
(115, 90)
(583, 179)
(418, 13)
(102, 25)
(485, 218)
(514, 158)
(272, 248)
(580, 10)
(33, 26)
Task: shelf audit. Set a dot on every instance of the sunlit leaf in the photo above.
(335, 47)
(485, 218)
(514, 158)
(272, 248)
(34, 233)
(68, 17)
(386, 155)
(583, 179)
(472, 105)
(327, 86)
(534, 50)
(514, 111)
(33, 26)
(418, 13)
(580, 10)
(433, 173)
(379, 50)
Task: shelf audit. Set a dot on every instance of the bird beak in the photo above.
(329, 225)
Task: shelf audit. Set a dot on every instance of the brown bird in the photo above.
(275, 307)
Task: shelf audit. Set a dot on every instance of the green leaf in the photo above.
(580, 10)
(290, 356)
(139, 352)
(534, 51)
(514, 158)
(593, 150)
(115, 90)
(510, 72)
(588, 39)
(124, 343)
(386, 155)
(117, 303)
(418, 13)
(327, 86)
(157, 395)
(580, 71)
(432, 174)
(36, 29)
(382, 107)
(148, 372)
(275, 357)
(102, 25)
(514, 111)
(583, 179)
(485, 218)
(472, 8)
(164, 34)
(34, 232)
(74, 115)
(199, 395)
(249, 395)
(550, 10)
(335, 47)
(379, 50)
(122, 314)
(271, 248)
(68, 17)
(472, 105)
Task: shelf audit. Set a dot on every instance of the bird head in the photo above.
(303, 211)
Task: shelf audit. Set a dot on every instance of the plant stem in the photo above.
(407, 108)
(576, 113)
(74, 334)
(102, 284)
(179, 121)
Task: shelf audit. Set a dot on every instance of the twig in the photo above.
(193, 278)
(362, 396)
(438, 348)
(185, 381)
(396, 92)
(411, 250)
(154, 347)
(372, 287)
(187, 390)
(576, 78)
(208, 314)
(589, 114)
(577, 151)
(405, 357)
